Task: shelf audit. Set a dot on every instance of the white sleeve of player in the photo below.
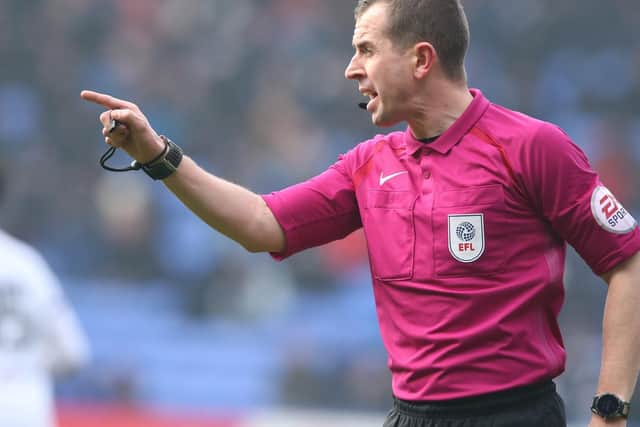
(66, 347)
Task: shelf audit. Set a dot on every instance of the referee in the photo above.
(466, 214)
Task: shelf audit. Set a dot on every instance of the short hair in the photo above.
(443, 23)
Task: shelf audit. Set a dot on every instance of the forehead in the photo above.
(371, 24)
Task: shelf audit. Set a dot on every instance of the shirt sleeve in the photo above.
(568, 193)
(65, 344)
(317, 211)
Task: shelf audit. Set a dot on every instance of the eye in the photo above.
(364, 49)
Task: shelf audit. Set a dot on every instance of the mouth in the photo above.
(372, 96)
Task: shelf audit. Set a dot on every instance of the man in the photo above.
(466, 216)
(39, 335)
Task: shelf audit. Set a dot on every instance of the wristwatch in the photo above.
(609, 405)
(166, 163)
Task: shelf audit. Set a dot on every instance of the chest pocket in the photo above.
(470, 232)
(390, 232)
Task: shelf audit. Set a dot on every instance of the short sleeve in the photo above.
(568, 193)
(317, 211)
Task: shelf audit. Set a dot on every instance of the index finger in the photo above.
(107, 101)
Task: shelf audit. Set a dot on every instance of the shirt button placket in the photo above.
(425, 165)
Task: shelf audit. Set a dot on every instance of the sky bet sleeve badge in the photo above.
(466, 237)
(609, 213)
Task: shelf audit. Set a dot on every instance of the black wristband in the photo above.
(163, 165)
(166, 163)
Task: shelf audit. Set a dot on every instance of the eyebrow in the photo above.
(361, 44)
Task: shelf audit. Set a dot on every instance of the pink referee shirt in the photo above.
(466, 239)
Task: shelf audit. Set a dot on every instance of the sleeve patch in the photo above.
(609, 213)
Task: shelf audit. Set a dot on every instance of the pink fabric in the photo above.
(466, 240)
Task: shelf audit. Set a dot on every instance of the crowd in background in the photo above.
(254, 91)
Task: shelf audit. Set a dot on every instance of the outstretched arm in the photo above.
(229, 208)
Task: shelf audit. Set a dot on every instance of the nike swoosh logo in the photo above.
(384, 179)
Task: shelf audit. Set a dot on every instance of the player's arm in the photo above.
(65, 345)
(229, 208)
(621, 333)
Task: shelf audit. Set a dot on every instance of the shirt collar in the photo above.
(456, 131)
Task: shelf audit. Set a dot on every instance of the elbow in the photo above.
(264, 242)
(71, 363)
(253, 247)
(263, 233)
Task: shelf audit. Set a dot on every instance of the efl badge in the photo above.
(609, 213)
(466, 236)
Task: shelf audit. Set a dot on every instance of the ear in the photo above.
(424, 58)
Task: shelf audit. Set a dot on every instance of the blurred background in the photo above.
(185, 328)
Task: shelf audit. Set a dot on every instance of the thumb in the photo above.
(126, 119)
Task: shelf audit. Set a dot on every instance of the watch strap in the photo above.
(166, 163)
(626, 407)
(621, 411)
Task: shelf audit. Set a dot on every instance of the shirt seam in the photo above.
(378, 145)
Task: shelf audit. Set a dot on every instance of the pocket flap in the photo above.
(471, 196)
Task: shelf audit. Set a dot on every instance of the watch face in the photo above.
(608, 404)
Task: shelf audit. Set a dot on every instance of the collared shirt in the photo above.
(466, 239)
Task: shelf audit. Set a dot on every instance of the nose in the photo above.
(354, 70)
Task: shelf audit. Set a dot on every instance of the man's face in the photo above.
(383, 72)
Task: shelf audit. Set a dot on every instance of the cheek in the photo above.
(395, 80)
(395, 88)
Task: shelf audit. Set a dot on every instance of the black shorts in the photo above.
(532, 406)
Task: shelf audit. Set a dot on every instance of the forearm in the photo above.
(621, 331)
(232, 210)
(229, 208)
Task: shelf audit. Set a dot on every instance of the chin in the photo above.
(385, 118)
(384, 122)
